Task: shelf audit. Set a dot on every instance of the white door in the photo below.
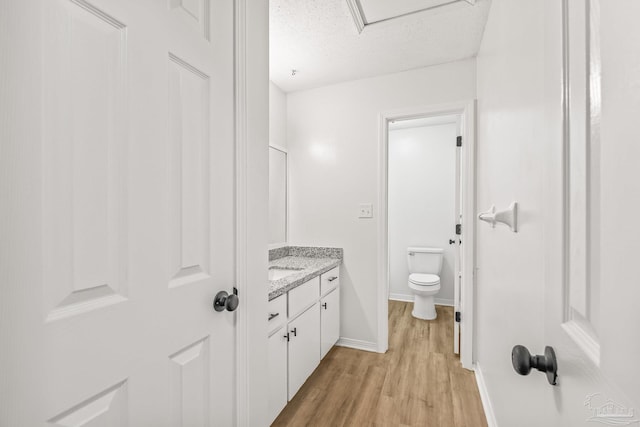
(129, 231)
(457, 241)
(588, 312)
(590, 321)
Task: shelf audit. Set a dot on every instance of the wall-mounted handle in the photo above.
(273, 315)
(508, 216)
(523, 362)
(332, 278)
(294, 331)
(224, 301)
(325, 305)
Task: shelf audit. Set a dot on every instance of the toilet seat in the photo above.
(422, 279)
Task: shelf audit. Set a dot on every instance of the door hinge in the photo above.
(458, 229)
(457, 316)
(459, 141)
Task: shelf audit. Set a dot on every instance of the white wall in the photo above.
(332, 137)
(421, 202)
(277, 116)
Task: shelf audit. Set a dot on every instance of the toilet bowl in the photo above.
(424, 280)
(424, 289)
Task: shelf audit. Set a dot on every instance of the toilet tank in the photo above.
(424, 260)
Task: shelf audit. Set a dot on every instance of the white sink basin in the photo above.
(276, 273)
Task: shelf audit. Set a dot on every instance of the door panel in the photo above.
(84, 153)
(189, 385)
(137, 218)
(304, 348)
(189, 171)
(106, 409)
(584, 322)
(329, 321)
(277, 372)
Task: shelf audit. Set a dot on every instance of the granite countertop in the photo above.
(310, 267)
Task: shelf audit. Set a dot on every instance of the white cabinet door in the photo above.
(329, 321)
(304, 348)
(277, 372)
(124, 226)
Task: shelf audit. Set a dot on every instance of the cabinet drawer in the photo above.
(329, 280)
(303, 296)
(277, 312)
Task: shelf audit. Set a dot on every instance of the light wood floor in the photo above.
(418, 382)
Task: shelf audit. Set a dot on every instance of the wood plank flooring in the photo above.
(418, 382)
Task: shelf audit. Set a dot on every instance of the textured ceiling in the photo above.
(320, 40)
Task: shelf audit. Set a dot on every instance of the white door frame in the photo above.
(251, 50)
(466, 110)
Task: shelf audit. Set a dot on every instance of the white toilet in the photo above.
(424, 279)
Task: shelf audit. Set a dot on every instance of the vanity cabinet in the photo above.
(304, 348)
(329, 321)
(303, 326)
(277, 370)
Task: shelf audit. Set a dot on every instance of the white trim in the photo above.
(409, 298)
(360, 21)
(242, 321)
(467, 111)
(358, 344)
(287, 212)
(278, 147)
(583, 339)
(444, 302)
(484, 397)
(356, 13)
(467, 285)
(401, 297)
(383, 235)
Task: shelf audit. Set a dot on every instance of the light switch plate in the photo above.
(366, 210)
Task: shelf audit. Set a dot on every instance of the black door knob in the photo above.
(224, 301)
(523, 362)
(451, 242)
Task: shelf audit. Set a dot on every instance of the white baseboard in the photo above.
(409, 298)
(401, 297)
(443, 301)
(484, 397)
(358, 344)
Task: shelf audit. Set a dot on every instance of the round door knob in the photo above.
(224, 301)
(451, 242)
(523, 362)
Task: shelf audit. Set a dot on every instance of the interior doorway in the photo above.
(458, 241)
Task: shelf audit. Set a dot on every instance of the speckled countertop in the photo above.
(308, 266)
